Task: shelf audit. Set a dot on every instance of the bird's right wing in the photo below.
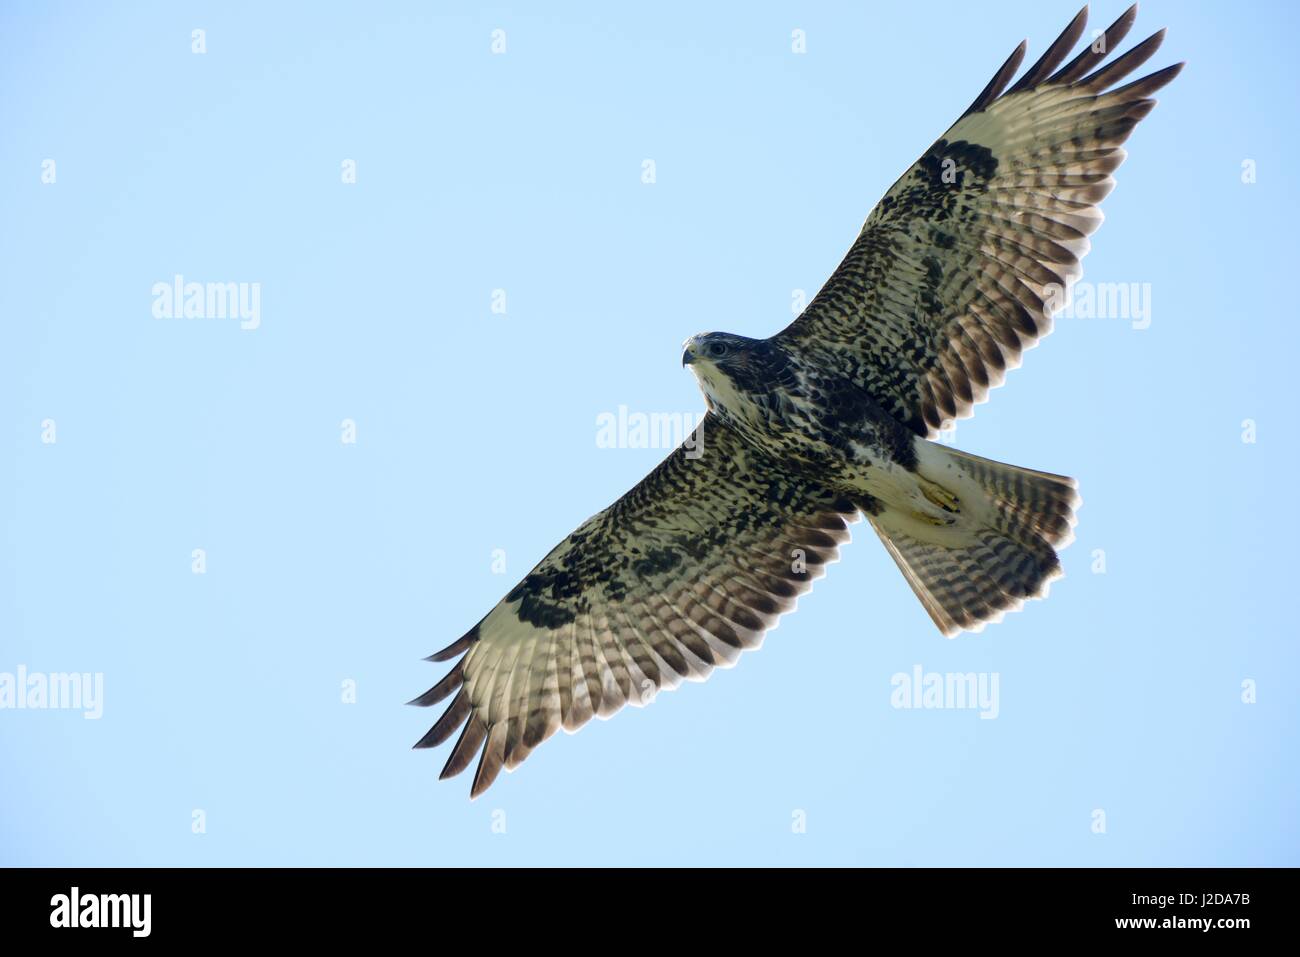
(681, 574)
(958, 268)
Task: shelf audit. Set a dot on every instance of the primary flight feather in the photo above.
(955, 273)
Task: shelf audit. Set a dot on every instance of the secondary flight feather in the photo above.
(955, 273)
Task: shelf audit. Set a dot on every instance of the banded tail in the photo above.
(990, 543)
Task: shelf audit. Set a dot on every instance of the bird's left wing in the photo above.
(680, 575)
(959, 267)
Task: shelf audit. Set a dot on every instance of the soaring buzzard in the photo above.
(956, 272)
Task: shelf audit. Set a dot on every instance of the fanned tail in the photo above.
(995, 542)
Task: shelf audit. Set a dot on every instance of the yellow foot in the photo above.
(940, 496)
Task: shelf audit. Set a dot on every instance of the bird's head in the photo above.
(715, 349)
(731, 369)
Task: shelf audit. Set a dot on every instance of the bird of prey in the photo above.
(955, 272)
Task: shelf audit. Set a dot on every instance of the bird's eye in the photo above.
(717, 349)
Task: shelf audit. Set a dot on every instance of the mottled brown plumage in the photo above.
(954, 274)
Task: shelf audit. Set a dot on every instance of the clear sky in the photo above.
(137, 448)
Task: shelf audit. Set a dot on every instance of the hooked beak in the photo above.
(687, 358)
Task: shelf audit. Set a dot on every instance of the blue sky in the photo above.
(328, 562)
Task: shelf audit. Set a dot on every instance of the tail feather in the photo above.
(994, 550)
(1041, 502)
